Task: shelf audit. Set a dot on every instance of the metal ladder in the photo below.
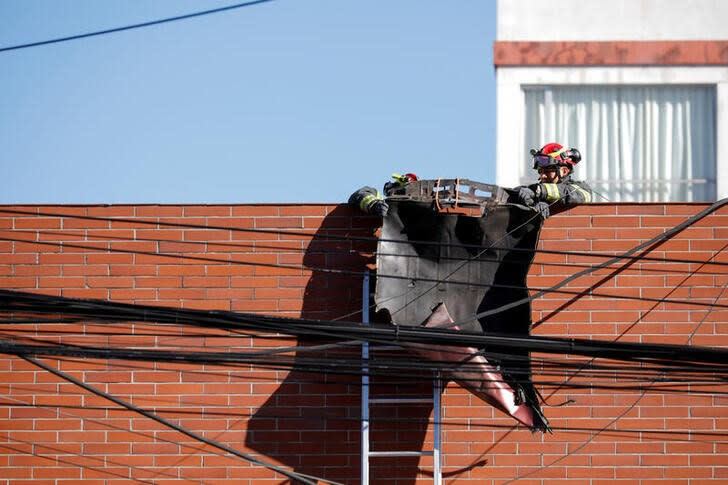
(367, 401)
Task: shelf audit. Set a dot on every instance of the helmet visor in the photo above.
(541, 161)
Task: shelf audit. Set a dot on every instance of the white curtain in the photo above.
(638, 143)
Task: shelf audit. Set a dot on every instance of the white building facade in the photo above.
(640, 87)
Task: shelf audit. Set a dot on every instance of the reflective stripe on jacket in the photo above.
(365, 198)
(569, 192)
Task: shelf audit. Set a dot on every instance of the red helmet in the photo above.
(553, 154)
(404, 179)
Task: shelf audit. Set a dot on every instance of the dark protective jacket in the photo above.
(568, 192)
(370, 201)
(365, 199)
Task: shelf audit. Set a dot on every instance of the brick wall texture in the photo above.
(205, 257)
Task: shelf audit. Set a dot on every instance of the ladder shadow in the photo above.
(311, 422)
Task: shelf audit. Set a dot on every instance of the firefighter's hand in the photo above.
(543, 210)
(379, 208)
(526, 196)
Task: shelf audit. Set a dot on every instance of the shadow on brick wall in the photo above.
(312, 422)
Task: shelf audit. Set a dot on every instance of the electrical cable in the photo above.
(399, 359)
(315, 235)
(657, 239)
(548, 367)
(656, 353)
(134, 26)
(344, 272)
(358, 311)
(306, 479)
(321, 416)
(622, 414)
(103, 467)
(384, 276)
(351, 252)
(545, 366)
(340, 346)
(555, 287)
(711, 307)
(675, 288)
(24, 302)
(258, 355)
(617, 432)
(390, 368)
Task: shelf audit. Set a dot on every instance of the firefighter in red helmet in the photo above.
(370, 200)
(555, 165)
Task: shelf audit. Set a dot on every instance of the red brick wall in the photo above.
(53, 432)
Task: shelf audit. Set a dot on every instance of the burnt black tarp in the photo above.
(467, 255)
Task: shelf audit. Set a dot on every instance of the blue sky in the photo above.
(284, 101)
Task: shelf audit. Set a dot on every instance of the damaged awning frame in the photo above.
(456, 229)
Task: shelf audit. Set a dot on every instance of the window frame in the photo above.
(526, 175)
(513, 81)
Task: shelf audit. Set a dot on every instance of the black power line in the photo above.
(134, 26)
(153, 416)
(350, 272)
(652, 242)
(323, 236)
(103, 310)
(657, 359)
(321, 415)
(617, 418)
(666, 379)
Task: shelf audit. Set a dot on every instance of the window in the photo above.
(638, 143)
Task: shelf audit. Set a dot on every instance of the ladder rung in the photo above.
(400, 453)
(401, 400)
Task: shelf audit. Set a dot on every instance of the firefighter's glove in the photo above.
(543, 210)
(379, 208)
(526, 196)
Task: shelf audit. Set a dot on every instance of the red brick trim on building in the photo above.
(617, 53)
